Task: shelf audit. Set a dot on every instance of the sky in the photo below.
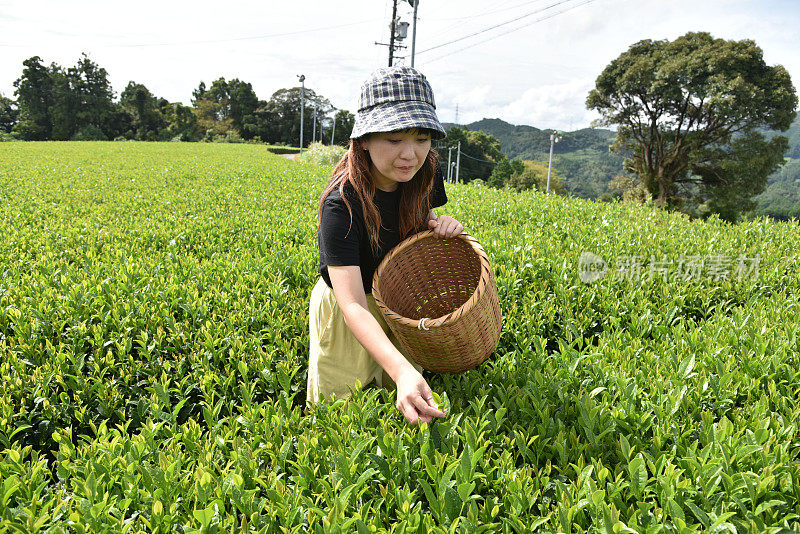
(535, 70)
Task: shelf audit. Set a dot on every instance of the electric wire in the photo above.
(535, 12)
(461, 20)
(426, 62)
(468, 17)
(463, 154)
(233, 39)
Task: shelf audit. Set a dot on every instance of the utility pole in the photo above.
(554, 138)
(398, 32)
(414, 32)
(314, 130)
(333, 131)
(391, 32)
(456, 114)
(458, 162)
(302, 105)
(449, 168)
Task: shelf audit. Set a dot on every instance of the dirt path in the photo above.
(290, 156)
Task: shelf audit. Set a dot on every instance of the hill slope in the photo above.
(582, 157)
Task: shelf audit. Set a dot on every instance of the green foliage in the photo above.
(58, 103)
(146, 117)
(689, 111)
(480, 152)
(781, 198)
(581, 157)
(9, 114)
(54, 103)
(34, 91)
(89, 133)
(629, 188)
(343, 127)
(589, 169)
(534, 176)
(501, 175)
(283, 149)
(524, 175)
(227, 105)
(230, 137)
(278, 120)
(320, 154)
(154, 349)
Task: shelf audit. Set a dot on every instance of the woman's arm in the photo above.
(414, 397)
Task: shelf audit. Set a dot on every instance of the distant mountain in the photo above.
(583, 159)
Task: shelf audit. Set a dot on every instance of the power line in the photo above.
(460, 20)
(477, 159)
(492, 12)
(495, 26)
(267, 36)
(510, 31)
(212, 41)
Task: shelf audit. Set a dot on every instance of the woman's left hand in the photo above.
(445, 226)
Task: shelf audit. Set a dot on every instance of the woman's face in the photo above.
(396, 156)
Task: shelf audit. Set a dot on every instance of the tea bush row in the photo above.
(154, 345)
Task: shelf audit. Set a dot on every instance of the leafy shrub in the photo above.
(89, 132)
(232, 136)
(278, 149)
(320, 154)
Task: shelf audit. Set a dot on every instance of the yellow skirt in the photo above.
(336, 358)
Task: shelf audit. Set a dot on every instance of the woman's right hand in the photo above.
(415, 398)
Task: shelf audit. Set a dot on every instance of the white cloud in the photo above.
(538, 75)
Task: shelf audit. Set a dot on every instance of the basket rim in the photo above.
(484, 279)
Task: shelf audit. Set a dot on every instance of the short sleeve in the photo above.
(438, 196)
(338, 238)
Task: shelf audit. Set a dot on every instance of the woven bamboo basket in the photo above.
(439, 297)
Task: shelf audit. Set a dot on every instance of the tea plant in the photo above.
(154, 344)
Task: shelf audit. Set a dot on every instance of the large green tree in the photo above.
(73, 103)
(8, 114)
(230, 103)
(344, 127)
(34, 92)
(503, 171)
(182, 122)
(689, 112)
(146, 118)
(278, 119)
(89, 84)
(83, 105)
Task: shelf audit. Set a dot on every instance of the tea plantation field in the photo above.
(154, 344)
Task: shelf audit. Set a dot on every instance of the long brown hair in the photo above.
(354, 169)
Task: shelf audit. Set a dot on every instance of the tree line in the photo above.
(483, 160)
(698, 122)
(78, 103)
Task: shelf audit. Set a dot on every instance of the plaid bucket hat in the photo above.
(396, 98)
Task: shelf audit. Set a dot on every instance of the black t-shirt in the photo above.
(339, 247)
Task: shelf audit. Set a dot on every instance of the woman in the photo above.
(382, 191)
